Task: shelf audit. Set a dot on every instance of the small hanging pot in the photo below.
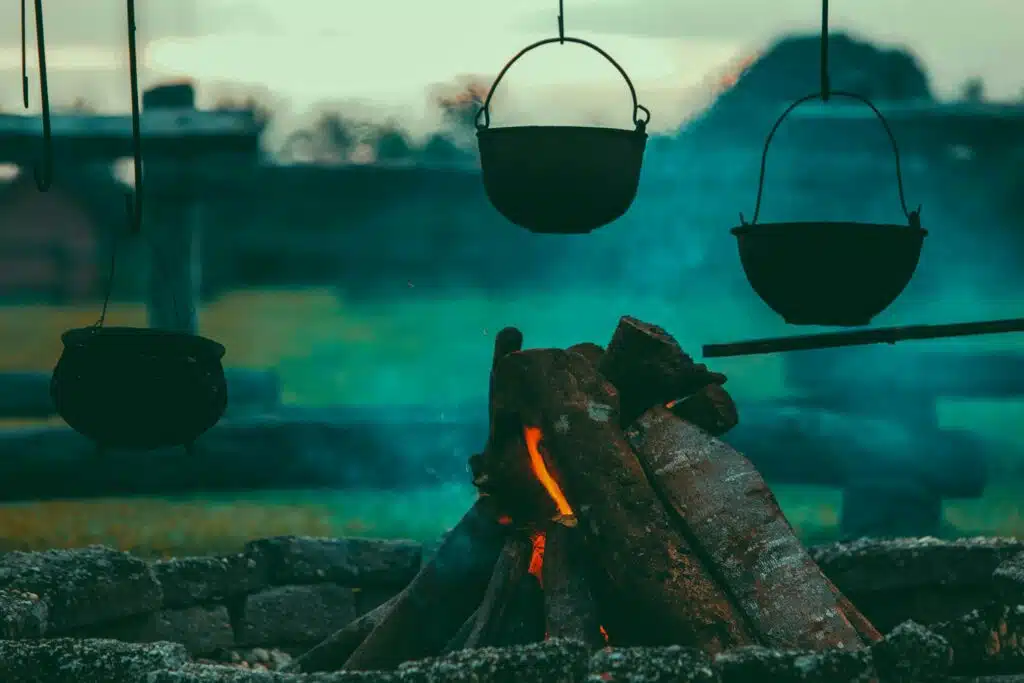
(825, 272)
(139, 388)
(561, 179)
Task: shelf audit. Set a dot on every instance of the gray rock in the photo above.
(291, 615)
(188, 581)
(651, 665)
(22, 614)
(206, 673)
(74, 660)
(369, 599)
(83, 586)
(747, 664)
(352, 561)
(990, 639)
(553, 661)
(910, 653)
(875, 566)
(201, 630)
(1008, 580)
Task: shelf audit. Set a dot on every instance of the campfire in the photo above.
(609, 513)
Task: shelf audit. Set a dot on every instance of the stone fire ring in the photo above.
(952, 610)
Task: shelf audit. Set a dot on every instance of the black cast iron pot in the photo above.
(138, 388)
(561, 179)
(826, 272)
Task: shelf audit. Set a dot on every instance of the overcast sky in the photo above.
(391, 50)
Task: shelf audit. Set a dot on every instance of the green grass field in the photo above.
(418, 350)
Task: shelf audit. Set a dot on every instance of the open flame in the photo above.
(537, 558)
(533, 436)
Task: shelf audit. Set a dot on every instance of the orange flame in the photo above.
(533, 436)
(537, 558)
(604, 634)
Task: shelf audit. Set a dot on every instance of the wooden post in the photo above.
(172, 227)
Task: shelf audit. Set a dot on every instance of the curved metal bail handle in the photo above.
(45, 179)
(133, 200)
(483, 115)
(913, 217)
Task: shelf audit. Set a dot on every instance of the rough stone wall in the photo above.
(953, 611)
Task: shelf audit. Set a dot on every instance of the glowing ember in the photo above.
(533, 436)
(537, 558)
(604, 634)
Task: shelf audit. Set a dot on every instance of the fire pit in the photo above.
(608, 514)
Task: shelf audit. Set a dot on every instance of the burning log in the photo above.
(512, 566)
(672, 598)
(434, 605)
(332, 653)
(608, 513)
(570, 609)
(524, 617)
(649, 368)
(710, 408)
(736, 521)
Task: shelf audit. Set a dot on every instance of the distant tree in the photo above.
(460, 102)
(441, 148)
(391, 143)
(973, 90)
(262, 112)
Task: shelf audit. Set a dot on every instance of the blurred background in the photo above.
(313, 190)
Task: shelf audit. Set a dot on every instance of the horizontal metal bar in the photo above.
(881, 335)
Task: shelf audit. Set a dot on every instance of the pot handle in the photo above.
(913, 217)
(483, 115)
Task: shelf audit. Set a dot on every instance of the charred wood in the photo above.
(734, 520)
(523, 620)
(672, 598)
(443, 594)
(570, 609)
(332, 653)
(649, 368)
(512, 566)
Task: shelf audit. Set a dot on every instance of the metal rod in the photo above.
(24, 58)
(45, 179)
(133, 200)
(561, 21)
(882, 335)
(826, 86)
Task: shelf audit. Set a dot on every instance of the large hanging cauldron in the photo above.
(137, 388)
(830, 273)
(561, 179)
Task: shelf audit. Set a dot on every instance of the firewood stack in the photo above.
(610, 514)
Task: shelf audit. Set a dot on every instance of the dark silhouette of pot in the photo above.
(825, 272)
(561, 179)
(137, 388)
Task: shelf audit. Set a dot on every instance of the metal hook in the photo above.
(133, 200)
(24, 57)
(826, 86)
(45, 180)
(561, 22)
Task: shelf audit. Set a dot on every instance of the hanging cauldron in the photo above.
(830, 273)
(561, 179)
(137, 388)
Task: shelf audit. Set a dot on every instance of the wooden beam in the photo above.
(165, 132)
(881, 335)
